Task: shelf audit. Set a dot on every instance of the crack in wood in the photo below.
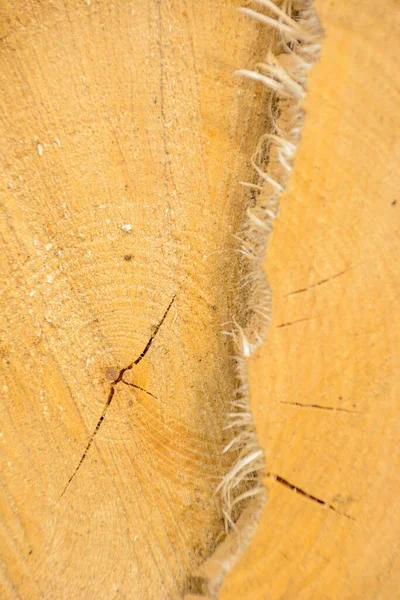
(354, 412)
(137, 387)
(305, 494)
(296, 321)
(112, 392)
(310, 287)
(322, 281)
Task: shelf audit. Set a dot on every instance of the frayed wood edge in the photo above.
(295, 48)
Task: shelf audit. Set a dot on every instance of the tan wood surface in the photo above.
(125, 113)
(324, 386)
(123, 137)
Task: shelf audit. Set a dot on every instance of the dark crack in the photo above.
(296, 321)
(112, 392)
(137, 387)
(320, 407)
(326, 280)
(298, 490)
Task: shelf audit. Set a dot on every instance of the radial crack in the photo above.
(112, 392)
(322, 281)
(137, 387)
(335, 409)
(298, 490)
(296, 321)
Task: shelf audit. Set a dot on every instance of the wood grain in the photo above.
(123, 135)
(324, 386)
(125, 113)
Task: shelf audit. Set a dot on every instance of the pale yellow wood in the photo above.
(123, 138)
(125, 113)
(324, 385)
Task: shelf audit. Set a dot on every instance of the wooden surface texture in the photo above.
(325, 384)
(123, 137)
